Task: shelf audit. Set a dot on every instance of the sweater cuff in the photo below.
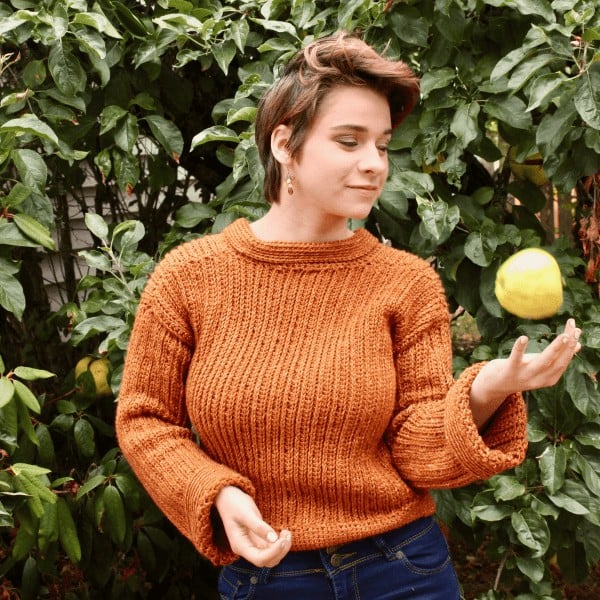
(204, 524)
(503, 443)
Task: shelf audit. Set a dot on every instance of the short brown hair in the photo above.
(340, 59)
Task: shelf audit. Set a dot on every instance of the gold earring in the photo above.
(289, 181)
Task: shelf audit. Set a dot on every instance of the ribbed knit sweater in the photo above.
(316, 377)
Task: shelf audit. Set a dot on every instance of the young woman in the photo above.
(314, 365)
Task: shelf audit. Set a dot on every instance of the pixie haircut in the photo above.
(340, 59)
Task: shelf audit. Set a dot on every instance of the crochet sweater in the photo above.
(316, 377)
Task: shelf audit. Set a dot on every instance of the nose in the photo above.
(373, 160)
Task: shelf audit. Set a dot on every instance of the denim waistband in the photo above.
(301, 561)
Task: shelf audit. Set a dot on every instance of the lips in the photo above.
(367, 188)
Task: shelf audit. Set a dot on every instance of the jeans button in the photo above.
(253, 580)
(336, 560)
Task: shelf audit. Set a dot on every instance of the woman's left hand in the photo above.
(522, 371)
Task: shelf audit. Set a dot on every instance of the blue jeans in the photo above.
(411, 562)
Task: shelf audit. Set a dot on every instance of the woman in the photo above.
(314, 364)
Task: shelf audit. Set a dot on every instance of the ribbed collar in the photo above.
(241, 237)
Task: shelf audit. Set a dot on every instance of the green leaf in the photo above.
(532, 531)
(574, 504)
(435, 79)
(589, 435)
(554, 127)
(46, 452)
(48, 529)
(127, 170)
(32, 470)
(9, 426)
(66, 70)
(17, 195)
(34, 74)
(91, 484)
(67, 532)
(24, 543)
(480, 248)
(168, 134)
(30, 124)
(12, 297)
(510, 110)
(189, 215)
(592, 479)
(114, 515)
(587, 97)
(30, 374)
(216, 133)
(529, 194)
(277, 26)
(238, 32)
(544, 88)
(438, 220)
(507, 487)
(93, 326)
(27, 397)
(553, 464)
(111, 115)
(34, 230)
(97, 225)
(584, 392)
(465, 125)
(7, 391)
(410, 25)
(533, 568)
(130, 21)
(92, 43)
(224, 53)
(32, 169)
(527, 69)
(127, 133)
(98, 22)
(84, 438)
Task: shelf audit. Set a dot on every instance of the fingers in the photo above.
(518, 350)
(259, 551)
(555, 359)
(270, 555)
(248, 534)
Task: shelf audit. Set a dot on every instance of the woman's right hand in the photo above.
(249, 536)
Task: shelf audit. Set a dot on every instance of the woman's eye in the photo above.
(383, 147)
(348, 142)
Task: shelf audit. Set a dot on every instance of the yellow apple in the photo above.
(529, 284)
(530, 169)
(99, 369)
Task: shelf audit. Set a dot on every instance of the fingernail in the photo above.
(271, 537)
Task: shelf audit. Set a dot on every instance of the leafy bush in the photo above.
(151, 106)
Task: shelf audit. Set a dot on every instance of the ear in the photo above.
(279, 141)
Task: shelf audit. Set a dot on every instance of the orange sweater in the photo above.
(317, 377)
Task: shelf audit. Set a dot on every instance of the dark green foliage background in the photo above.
(151, 106)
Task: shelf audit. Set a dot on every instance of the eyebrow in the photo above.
(358, 128)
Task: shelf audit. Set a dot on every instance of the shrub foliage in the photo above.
(151, 107)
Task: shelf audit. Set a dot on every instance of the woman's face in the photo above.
(343, 163)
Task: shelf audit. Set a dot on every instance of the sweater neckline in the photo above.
(240, 236)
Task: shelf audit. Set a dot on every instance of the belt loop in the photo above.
(382, 545)
(263, 575)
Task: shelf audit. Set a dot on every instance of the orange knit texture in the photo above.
(314, 376)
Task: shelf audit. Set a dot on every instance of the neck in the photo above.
(284, 224)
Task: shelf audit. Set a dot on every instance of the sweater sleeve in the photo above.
(435, 441)
(152, 424)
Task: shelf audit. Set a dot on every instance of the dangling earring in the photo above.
(289, 181)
